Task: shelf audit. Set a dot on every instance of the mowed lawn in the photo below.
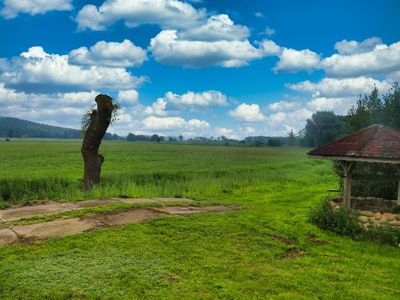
(265, 250)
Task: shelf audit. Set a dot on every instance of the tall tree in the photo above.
(95, 122)
(322, 128)
(368, 110)
(291, 138)
(392, 106)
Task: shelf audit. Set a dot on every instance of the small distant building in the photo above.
(374, 144)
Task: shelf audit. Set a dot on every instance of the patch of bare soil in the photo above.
(64, 227)
(26, 212)
(313, 238)
(292, 254)
(285, 241)
(190, 210)
(137, 215)
(51, 208)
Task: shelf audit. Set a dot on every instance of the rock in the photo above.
(332, 204)
(363, 219)
(398, 217)
(366, 213)
(395, 223)
(371, 220)
(378, 216)
(389, 216)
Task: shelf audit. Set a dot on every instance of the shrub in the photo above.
(344, 221)
(396, 209)
(339, 220)
(275, 142)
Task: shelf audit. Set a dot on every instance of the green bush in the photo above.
(339, 220)
(344, 221)
(396, 209)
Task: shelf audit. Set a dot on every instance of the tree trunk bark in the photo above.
(99, 121)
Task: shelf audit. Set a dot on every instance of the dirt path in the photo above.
(51, 208)
(64, 227)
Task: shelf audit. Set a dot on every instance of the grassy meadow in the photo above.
(266, 250)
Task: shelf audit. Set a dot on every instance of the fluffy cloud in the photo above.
(12, 8)
(36, 70)
(283, 105)
(109, 54)
(158, 108)
(206, 98)
(354, 59)
(189, 99)
(337, 105)
(168, 48)
(216, 42)
(128, 97)
(247, 112)
(296, 60)
(346, 47)
(333, 87)
(217, 28)
(166, 13)
(173, 123)
(381, 60)
(56, 108)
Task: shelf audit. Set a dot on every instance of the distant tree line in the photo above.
(252, 141)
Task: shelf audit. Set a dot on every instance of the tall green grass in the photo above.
(52, 170)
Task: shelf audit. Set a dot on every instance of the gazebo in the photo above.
(374, 144)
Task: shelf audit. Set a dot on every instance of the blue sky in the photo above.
(197, 68)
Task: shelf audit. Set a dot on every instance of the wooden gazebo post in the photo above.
(398, 185)
(348, 167)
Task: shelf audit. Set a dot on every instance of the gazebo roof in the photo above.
(376, 143)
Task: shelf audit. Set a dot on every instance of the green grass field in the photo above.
(245, 254)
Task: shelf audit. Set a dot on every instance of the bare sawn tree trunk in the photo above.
(100, 119)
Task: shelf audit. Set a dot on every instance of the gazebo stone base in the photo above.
(372, 211)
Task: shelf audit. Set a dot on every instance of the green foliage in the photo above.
(344, 221)
(291, 138)
(341, 220)
(275, 142)
(375, 108)
(396, 209)
(85, 121)
(322, 128)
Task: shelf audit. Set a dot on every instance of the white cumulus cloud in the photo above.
(217, 28)
(37, 70)
(297, 60)
(109, 54)
(168, 48)
(13, 8)
(206, 98)
(381, 60)
(247, 112)
(128, 97)
(346, 47)
(166, 13)
(334, 87)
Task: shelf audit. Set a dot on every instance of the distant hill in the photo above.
(17, 128)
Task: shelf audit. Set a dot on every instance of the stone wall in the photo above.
(372, 211)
